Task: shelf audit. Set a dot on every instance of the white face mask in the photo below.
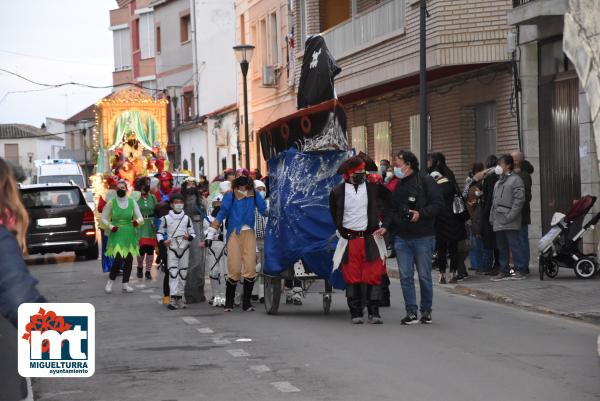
(498, 170)
(178, 207)
(389, 174)
(245, 193)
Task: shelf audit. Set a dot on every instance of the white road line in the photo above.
(190, 320)
(220, 341)
(285, 387)
(147, 291)
(205, 330)
(243, 340)
(238, 353)
(155, 296)
(260, 368)
(140, 285)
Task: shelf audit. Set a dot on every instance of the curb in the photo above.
(461, 289)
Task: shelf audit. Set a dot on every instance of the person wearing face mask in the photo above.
(238, 207)
(356, 207)
(506, 218)
(147, 231)
(121, 215)
(111, 182)
(195, 208)
(216, 255)
(414, 206)
(176, 232)
(384, 166)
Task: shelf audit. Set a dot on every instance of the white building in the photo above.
(22, 144)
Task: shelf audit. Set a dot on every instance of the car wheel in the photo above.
(92, 253)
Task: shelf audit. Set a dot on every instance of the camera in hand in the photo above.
(407, 215)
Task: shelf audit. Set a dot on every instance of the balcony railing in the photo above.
(517, 3)
(366, 28)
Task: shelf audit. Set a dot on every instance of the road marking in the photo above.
(260, 368)
(285, 387)
(160, 302)
(598, 345)
(155, 296)
(237, 352)
(243, 340)
(221, 341)
(205, 330)
(140, 285)
(147, 291)
(190, 320)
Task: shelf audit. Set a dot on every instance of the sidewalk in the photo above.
(565, 295)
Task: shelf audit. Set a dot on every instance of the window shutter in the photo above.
(383, 142)
(359, 139)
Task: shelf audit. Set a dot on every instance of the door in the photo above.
(485, 130)
(11, 152)
(559, 146)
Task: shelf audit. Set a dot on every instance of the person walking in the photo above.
(414, 205)
(356, 207)
(146, 232)
(506, 219)
(238, 207)
(489, 178)
(524, 169)
(449, 230)
(473, 193)
(176, 232)
(121, 215)
(111, 184)
(195, 207)
(216, 255)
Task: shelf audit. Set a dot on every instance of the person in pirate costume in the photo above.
(121, 215)
(356, 206)
(147, 231)
(176, 232)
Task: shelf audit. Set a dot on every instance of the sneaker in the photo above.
(460, 277)
(210, 302)
(443, 280)
(127, 288)
(297, 299)
(453, 280)
(172, 304)
(375, 319)
(426, 318)
(411, 318)
(262, 300)
(148, 275)
(108, 287)
(357, 320)
(502, 277)
(139, 272)
(519, 276)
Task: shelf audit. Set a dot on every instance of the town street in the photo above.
(475, 350)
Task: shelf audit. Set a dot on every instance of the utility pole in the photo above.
(423, 84)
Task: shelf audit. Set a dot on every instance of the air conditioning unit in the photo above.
(269, 77)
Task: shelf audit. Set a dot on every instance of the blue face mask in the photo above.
(262, 194)
(398, 172)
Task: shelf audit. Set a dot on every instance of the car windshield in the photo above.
(54, 179)
(38, 198)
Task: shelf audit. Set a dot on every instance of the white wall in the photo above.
(195, 141)
(215, 37)
(41, 149)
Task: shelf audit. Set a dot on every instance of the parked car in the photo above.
(59, 171)
(60, 220)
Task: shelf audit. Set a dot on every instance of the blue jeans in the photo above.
(410, 253)
(524, 240)
(481, 259)
(510, 241)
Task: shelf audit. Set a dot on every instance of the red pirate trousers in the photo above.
(359, 269)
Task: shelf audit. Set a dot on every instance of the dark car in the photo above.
(60, 220)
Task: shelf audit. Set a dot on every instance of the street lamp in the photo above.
(175, 137)
(84, 126)
(243, 54)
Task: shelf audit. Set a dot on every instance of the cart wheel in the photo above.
(585, 268)
(326, 303)
(551, 269)
(272, 294)
(541, 264)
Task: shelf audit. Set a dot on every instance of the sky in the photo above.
(53, 41)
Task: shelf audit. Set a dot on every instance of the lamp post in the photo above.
(84, 125)
(243, 54)
(173, 95)
(423, 14)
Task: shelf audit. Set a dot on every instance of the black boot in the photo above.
(373, 299)
(385, 291)
(353, 294)
(229, 294)
(139, 272)
(247, 295)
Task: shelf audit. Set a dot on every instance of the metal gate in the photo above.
(559, 146)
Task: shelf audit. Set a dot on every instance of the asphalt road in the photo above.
(475, 350)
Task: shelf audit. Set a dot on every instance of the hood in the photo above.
(527, 167)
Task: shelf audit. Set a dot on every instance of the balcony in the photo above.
(366, 29)
(531, 12)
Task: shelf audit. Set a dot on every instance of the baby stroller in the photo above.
(558, 249)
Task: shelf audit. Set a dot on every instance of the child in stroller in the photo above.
(557, 248)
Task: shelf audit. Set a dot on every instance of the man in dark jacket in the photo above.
(524, 169)
(356, 208)
(414, 205)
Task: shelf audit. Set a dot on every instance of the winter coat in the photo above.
(240, 212)
(507, 207)
(449, 226)
(486, 228)
(525, 174)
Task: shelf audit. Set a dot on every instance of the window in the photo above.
(263, 43)
(234, 161)
(146, 32)
(47, 199)
(273, 39)
(157, 37)
(383, 141)
(193, 159)
(224, 163)
(185, 164)
(122, 48)
(11, 152)
(201, 166)
(485, 129)
(415, 134)
(185, 28)
(359, 139)
(188, 105)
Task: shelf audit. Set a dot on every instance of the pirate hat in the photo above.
(369, 163)
(351, 165)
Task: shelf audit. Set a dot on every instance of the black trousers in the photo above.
(125, 263)
(443, 247)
